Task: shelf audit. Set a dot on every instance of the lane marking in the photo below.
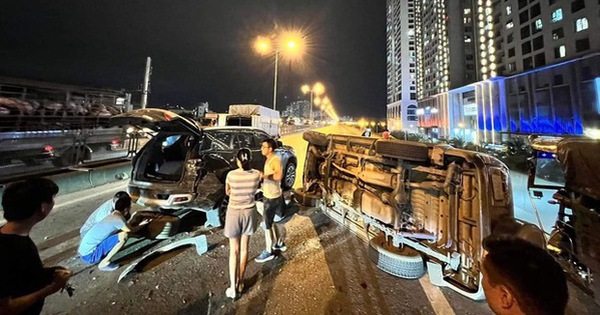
(436, 298)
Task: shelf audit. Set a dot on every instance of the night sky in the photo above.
(200, 50)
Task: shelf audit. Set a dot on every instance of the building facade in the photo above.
(529, 68)
(559, 99)
(401, 65)
(535, 33)
(300, 109)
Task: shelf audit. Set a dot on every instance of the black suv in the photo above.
(184, 166)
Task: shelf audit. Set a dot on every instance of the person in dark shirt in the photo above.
(522, 278)
(24, 282)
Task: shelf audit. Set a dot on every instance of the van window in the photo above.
(239, 121)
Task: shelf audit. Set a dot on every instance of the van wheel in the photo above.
(289, 176)
(316, 138)
(308, 199)
(402, 262)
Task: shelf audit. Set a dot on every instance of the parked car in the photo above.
(184, 166)
(417, 204)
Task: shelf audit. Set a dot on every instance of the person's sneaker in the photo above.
(109, 267)
(280, 247)
(230, 293)
(264, 256)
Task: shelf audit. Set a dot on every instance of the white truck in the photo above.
(253, 115)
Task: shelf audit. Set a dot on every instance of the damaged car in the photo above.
(420, 206)
(185, 166)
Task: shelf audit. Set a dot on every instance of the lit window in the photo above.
(560, 51)
(510, 25)
(508, 10)
(538, 24)
(557, 15)
(581, 24)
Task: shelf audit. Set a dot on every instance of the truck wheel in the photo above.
(308, 199)
(402, 262)
(289, 176)
(316, 138)
(404, 150)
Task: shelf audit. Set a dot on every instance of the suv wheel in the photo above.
(289, 176)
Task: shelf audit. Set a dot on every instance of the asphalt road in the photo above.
(326, 270)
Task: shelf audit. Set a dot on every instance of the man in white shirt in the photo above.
(273, 200)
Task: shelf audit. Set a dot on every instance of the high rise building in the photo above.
(535, 33)
(433, 46)
(401, 65)
(491, 69)
(300, 108)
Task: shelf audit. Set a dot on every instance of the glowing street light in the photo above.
(288, 43)
(317, 89)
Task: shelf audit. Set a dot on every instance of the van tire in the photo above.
(307, 199)
(316, 138)
(404, 262)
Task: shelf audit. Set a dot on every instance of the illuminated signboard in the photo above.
(470, 109)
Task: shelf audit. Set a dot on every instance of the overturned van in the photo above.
(421, 206)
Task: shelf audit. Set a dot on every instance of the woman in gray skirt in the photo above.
(241, 218)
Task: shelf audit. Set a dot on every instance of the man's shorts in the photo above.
(272, 207)
(101, 250)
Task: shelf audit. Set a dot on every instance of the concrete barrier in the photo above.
(82, 178)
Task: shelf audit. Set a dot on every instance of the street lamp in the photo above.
(291, 43)
(317, 89)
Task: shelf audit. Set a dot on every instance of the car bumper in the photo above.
(147, 198)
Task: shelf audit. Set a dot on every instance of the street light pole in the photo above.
(311, 106)
(275, 79)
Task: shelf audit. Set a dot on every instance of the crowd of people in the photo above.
(518, 277)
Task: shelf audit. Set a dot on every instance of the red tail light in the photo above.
(115, 141)
(48, 148)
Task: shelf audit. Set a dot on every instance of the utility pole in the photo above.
(275, 79)
(146, 82)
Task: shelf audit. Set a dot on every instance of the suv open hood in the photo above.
(157, 120)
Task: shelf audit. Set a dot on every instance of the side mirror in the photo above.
(536, 194)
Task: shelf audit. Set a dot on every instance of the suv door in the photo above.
(219, 142)
(260, 159)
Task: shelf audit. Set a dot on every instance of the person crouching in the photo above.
(105, 238)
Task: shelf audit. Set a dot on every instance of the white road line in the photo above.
(438, 301)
